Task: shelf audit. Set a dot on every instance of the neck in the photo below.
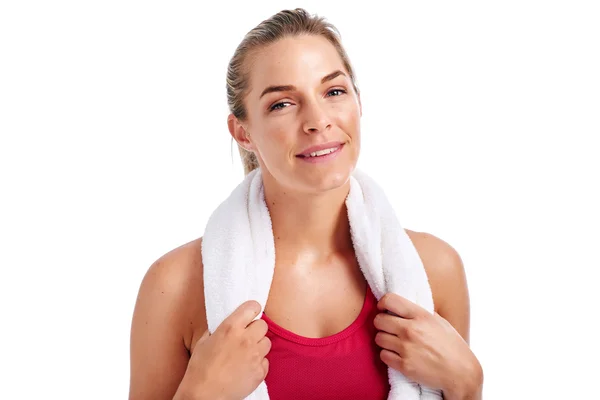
(311, 227)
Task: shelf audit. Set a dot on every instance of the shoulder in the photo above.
(169, 311)
(439, 257)
(447, 278)
(173, 287)
(173, 269)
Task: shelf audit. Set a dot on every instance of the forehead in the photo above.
(299, 61)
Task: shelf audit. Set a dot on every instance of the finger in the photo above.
(391, 359)
(399, 305)
(389, 342)
(244, 314)
(399, 363)
(265, 365)
(390, 323)
(264, 346)
(257, 330)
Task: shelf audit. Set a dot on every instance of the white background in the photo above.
(481, 121)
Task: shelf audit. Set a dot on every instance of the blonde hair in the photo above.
(286, 23)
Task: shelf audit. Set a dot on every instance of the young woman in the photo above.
(292, 93)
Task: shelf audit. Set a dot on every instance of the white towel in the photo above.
(238, 254)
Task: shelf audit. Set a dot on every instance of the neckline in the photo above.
(336, 337)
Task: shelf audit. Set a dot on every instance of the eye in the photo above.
(282, 104)
(341, 91)
(276, 107)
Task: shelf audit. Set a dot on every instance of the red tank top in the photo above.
(342, 366)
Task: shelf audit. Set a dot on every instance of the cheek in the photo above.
(274, 146)
(350, 122)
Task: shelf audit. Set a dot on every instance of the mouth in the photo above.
(320, 150)
(323, 155)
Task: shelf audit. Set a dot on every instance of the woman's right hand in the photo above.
(230, 363)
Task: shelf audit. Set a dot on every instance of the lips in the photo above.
(330, 145)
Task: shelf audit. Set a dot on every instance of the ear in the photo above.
(239, 133)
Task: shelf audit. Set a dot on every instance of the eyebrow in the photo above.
(287, 88)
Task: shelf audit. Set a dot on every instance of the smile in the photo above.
(322, 155)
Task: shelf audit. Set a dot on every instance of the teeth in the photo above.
(322, 152)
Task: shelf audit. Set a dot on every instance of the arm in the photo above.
(447, 278)
(169, 305)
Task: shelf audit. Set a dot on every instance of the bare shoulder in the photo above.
(447, 278)
(439, 258)
(169, 311)
(176, 280)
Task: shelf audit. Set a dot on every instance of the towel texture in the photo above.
(238, 253)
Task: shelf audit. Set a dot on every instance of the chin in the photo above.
(313, 179)
(323, 181)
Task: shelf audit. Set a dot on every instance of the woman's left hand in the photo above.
(424, 347)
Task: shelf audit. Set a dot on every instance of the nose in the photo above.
(315, 118)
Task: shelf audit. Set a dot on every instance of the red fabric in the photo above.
(342, 366)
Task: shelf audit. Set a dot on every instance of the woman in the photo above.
(295, 113)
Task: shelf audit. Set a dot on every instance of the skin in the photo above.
(315, 259)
